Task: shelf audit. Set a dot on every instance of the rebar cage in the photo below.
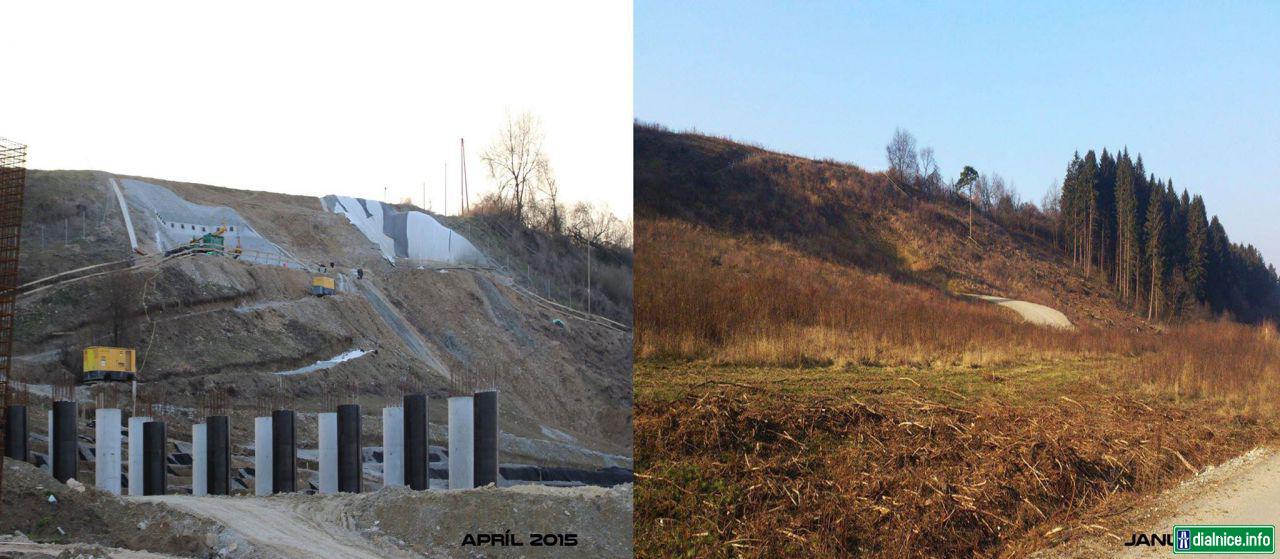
(13, 179)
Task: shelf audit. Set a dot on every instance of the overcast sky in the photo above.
(315, 98)
(1012, 87)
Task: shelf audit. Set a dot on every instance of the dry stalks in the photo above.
(754, 473)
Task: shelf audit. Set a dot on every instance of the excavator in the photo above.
(209, 243)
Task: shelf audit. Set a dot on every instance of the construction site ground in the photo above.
(392, 522)
(214, 325)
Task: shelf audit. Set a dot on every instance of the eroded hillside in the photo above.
(206, 324)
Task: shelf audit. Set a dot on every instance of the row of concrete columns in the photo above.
(473, 448)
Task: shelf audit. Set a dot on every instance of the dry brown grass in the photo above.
(790, 406)
(738, 470)
(807, 387)
(1234, 365)
(705, 295)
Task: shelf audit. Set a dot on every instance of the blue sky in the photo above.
(1013, 87)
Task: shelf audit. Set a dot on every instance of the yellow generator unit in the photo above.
(108, 364)
(321, 286)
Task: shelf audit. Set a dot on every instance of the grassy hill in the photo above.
(810, 380)
(846, 216)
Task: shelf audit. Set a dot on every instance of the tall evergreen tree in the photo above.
(1087, 182)
(1073, 210)
(1155, 245)
(1197, 267)
(1156, 221)
(1106, 201)
(1219, 277)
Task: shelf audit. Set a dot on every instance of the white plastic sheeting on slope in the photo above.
(413, 235)
(325, 364)
(175, 221)
(124, 210)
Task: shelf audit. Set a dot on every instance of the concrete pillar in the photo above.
(135, 454)
(262, 469)
(486, 438)
(392, 446)
(284, 455)
(155, 477)
(350, 455)
(218, 435)
(199, 460)
(328, 452)
(416, 442)
(16, 436)
(461, 443)
(106, 450)
(66, 457)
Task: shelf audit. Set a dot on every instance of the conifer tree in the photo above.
(1156, 221)
(1197, 248)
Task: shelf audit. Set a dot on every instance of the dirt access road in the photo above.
(1035, 314)
(272, 525)
(1243, 490)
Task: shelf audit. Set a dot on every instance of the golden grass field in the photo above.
(789, 406)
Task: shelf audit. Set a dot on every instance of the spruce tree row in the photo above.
(1160, 251)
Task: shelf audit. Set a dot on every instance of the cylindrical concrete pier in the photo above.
(219, 454)
(392, 446)
(66, 458)
(135, 454)
(284, 455)
(486, 438)
(16, 434)
(155, 479)
(328, 452)
(416, 442)
(461, 443)
(199, 460)
(106, 453)
(262, 469)
(350, 456)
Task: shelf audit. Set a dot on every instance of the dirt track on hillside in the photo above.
(1039, 315)
(1243, 490)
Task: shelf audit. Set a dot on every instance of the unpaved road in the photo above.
(275, 526)
(1035, 314)
(1244, 490)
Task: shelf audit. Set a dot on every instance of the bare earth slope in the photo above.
(209, 324)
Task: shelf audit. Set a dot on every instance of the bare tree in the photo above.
(597, 225)
(929, 171)
(901, 153)
(513, 160)
(553, 213)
